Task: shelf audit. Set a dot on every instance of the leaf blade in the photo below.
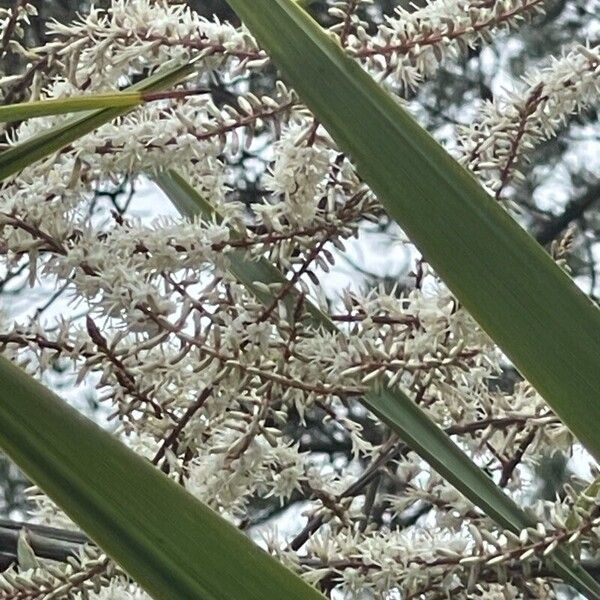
(32, 150)
(61, 106)
(171, 543)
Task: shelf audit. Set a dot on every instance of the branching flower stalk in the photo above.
(509, 128)
(250, 407)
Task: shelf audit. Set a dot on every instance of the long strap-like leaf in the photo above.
(522, 299)
(169, 542)
(89, 102)
(394, 407)
(62, 106)
(30, 151)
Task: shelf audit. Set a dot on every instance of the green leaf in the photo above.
(30, 151)
(523, 300)
(169, 542)
(394, 407)
(61, 106)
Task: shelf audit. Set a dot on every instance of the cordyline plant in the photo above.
(240, 388)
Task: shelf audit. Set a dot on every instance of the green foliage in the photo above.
(172, 544)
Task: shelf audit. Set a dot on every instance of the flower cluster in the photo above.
(410, 45)
(227, 384)
(510, 127)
